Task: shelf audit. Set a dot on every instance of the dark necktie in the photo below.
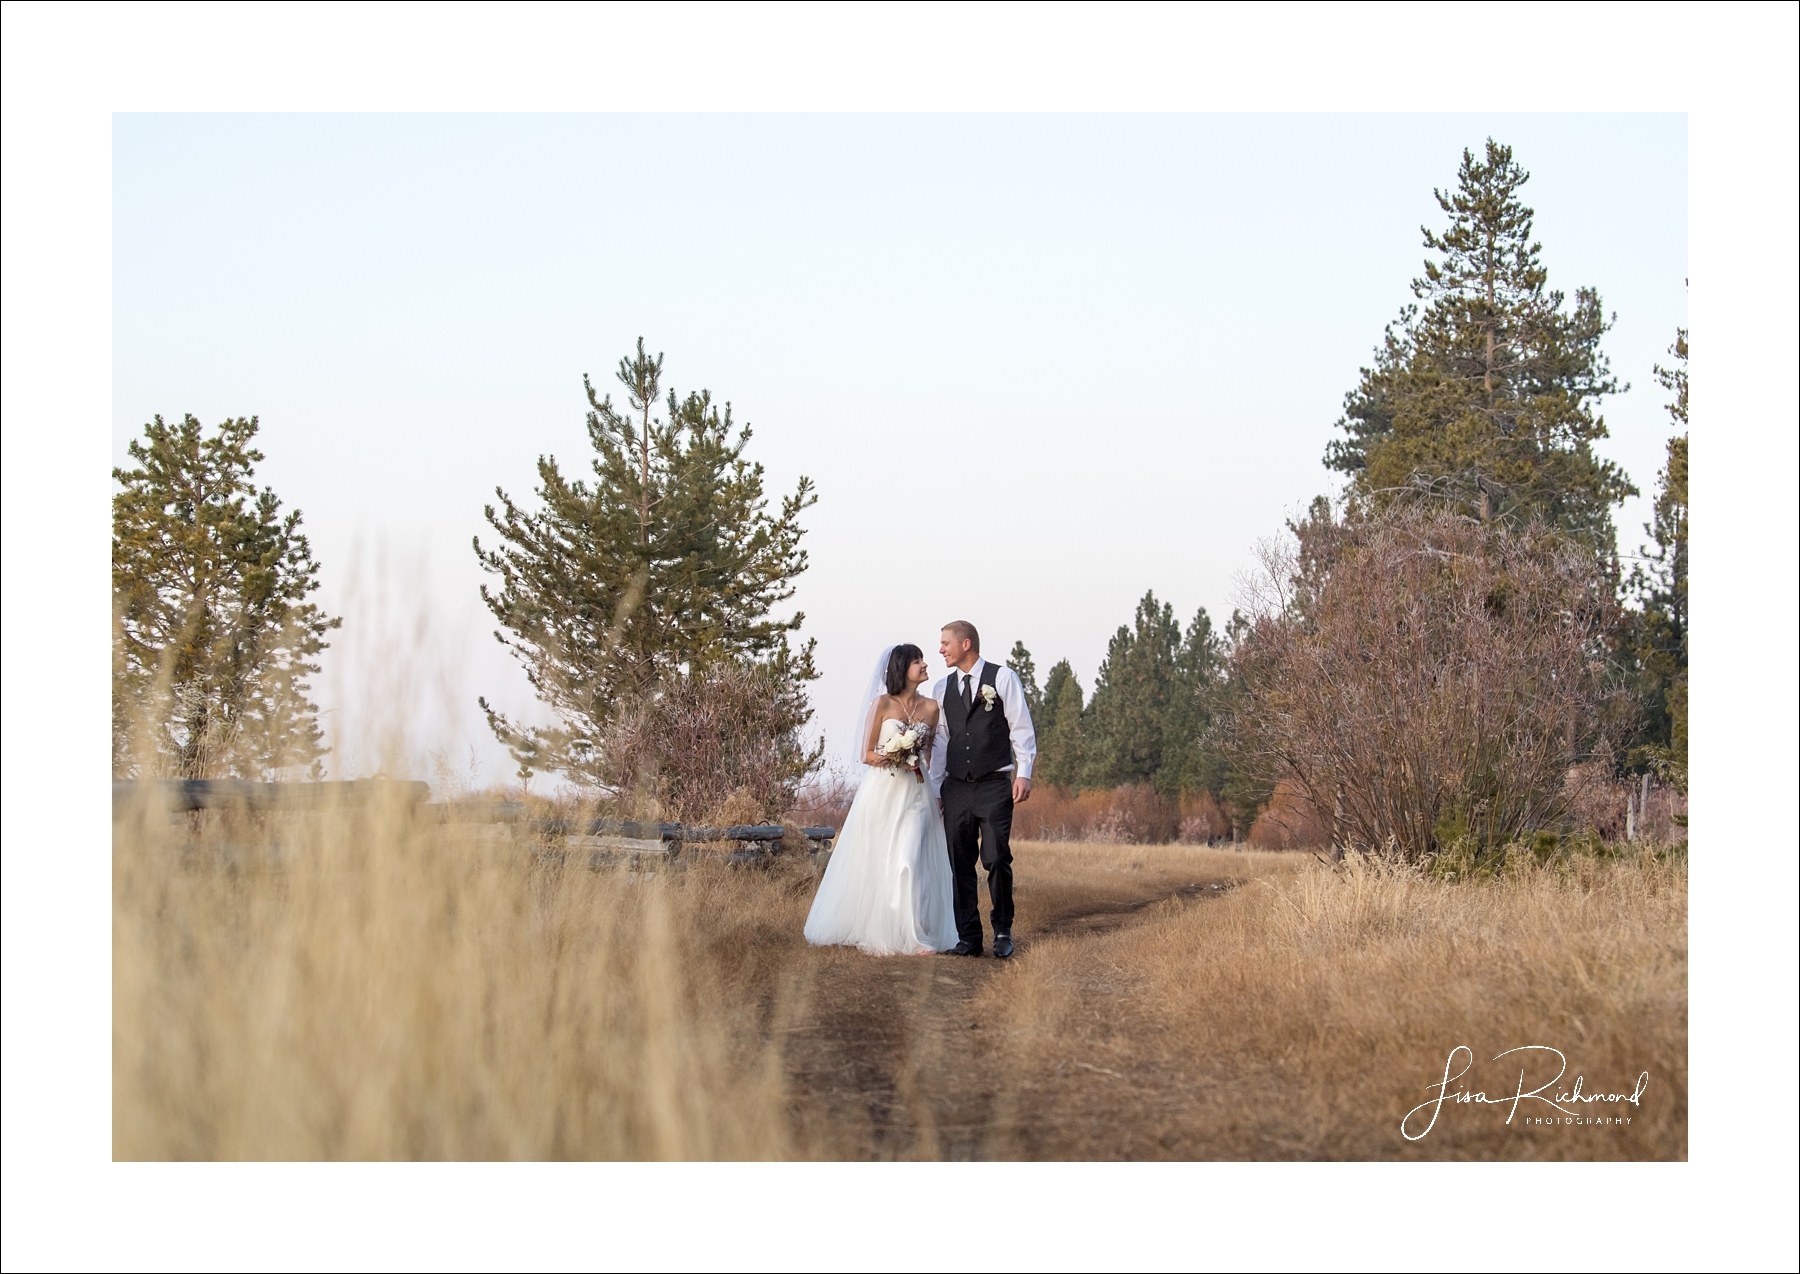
(968, 699)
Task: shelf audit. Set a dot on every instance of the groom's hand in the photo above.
(1021, 790)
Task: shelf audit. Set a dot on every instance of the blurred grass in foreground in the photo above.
(391, 989)
(384, 987)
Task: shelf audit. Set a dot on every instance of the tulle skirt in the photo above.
(887, 887)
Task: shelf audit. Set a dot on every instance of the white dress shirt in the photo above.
(1012, 699)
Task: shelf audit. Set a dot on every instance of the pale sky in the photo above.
(1036, 364)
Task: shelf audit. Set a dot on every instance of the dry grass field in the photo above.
(1302, 1014)
(384, 988)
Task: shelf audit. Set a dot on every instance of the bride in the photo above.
(887, 887)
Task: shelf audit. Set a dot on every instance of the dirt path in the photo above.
(891, 1061)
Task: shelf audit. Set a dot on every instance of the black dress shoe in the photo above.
(1003, 947)
(965, 948)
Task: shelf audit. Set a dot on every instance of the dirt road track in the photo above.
(890, 1060)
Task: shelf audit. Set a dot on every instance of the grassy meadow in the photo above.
(380, 986)
(1302, 1014)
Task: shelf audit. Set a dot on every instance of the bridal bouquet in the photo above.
(907, 748)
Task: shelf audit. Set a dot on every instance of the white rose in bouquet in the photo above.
(903, 747)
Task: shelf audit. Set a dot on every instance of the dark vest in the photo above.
(980, 740)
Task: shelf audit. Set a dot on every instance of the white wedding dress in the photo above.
(887, 887)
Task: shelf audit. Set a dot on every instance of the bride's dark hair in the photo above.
(898, 662)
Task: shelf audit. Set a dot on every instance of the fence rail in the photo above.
(184, 795)
(188, 795)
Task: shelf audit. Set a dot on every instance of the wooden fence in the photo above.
(754, 840)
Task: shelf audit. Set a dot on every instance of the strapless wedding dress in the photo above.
(887, 887)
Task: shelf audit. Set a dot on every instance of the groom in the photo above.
(984, 769)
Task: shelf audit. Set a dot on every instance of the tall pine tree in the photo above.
(1062, 749)
(669, 561)
(1131, 698)
(1486, 396)
(1190, 761)
(1660, 633)
(214, 637)
(1151, 714)
(1152, 704)
(1021, 663)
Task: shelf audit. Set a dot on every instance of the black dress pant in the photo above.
(978, 824)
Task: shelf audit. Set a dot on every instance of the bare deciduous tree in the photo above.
(1423, 677)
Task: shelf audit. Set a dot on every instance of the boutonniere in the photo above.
(988, 697)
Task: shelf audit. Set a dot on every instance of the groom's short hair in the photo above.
(963, 630)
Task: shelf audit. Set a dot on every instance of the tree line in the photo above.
(1150, 717)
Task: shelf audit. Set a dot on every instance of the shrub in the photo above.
(1133, 814)
(1289, 821)
(715, 742)
(1202, 820)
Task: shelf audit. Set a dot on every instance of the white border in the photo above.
(67, 68)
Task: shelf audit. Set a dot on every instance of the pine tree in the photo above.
(1661, 630)
(669, 561)
(1020, 662)
(1062, 750)
(1485, 398)
(1132, 695)
(213, 635)
(1052, 697)
(1243, 795)
(1190, 762)
(1151, 714)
